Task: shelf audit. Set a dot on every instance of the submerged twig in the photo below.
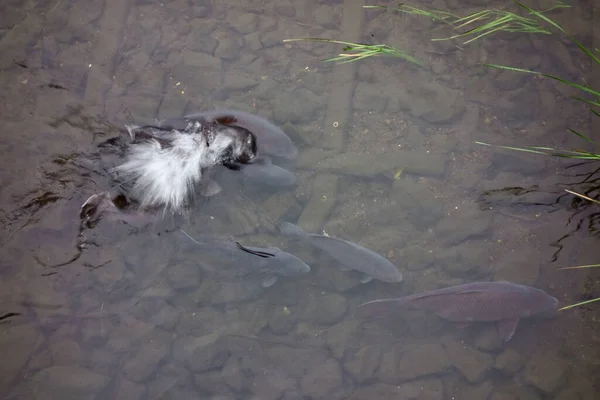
(583, 196)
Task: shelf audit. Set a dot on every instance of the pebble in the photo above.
(544, 370)
(297, 106)
(229, 45)
(472, 364)
(363, 364)
(421, 360)
(282, 322)
(321, 379)
(433, 102)
(509, 361)
(200, 353)
(329, 308)
(16, 343)
(489, 339)
(143, 364)
(370, 97)
(66, 382)
(452, 230)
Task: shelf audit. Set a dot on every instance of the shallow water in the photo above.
(386, 159)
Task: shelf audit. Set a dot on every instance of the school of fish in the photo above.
(499, 302)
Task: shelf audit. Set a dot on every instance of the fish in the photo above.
(262, 170)
(249, 262)
(166, 164)
(270, 138)
(501, 302)
(349, 255)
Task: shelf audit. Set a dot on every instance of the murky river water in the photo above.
(387, 159)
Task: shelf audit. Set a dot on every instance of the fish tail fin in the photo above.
(378, 308)
(289, 229)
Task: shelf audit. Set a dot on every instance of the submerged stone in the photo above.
(471, 363)
(67, 382)
(421, 360)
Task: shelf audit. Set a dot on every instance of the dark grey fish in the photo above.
(271, 139)
(262, 170)
(501, 302)
(249, 262)
(350, 255)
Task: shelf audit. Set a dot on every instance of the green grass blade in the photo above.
(542, 148)
(554, 24)
(591, 103)
(573, 84)
(526, 150)
(581, 135)
(566, 82)
(579, 304)
(490, 21)
(471, 18)
(540, 16)
(512, 69)
(437, 15)
(556, 6)
(358, 51)
(483, 34)
(571, 154)
(312, 39)
(577, 155)
(584, 49)
(581, 266)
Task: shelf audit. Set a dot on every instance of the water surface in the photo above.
(138, 314)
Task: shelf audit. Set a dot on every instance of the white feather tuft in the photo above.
(167, 176)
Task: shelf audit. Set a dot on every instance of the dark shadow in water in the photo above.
(585, 215)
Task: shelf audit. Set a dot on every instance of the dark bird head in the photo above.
(243, 149)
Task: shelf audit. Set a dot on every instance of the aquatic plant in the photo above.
(578, 154)
(358, 51)
(581, 267)
(480, 23)
(483, 23)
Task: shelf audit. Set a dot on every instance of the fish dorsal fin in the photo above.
(507, 327)
(470, 291)
(262, 254)
(457, 293)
